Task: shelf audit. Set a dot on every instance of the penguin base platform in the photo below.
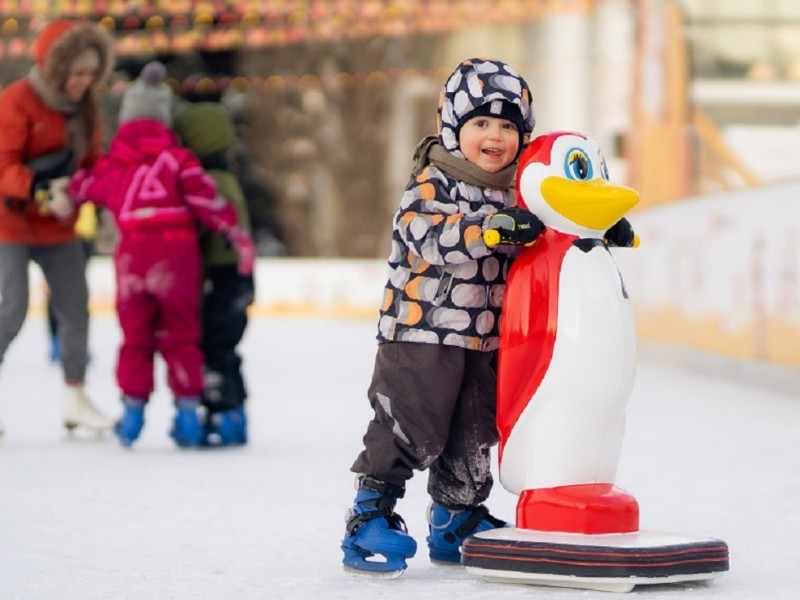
(605, 562)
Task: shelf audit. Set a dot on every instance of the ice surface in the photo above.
(84, 519)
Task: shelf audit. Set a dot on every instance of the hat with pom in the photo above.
(149, 97)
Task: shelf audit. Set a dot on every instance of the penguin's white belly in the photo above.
(571, 430)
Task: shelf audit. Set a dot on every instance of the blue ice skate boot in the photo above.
(376, 541)
(187, 430)
(450, 527)
(226, 428)
(130, 425)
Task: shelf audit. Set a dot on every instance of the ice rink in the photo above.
(82, 518)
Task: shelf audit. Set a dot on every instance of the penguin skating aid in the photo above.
(566, 368)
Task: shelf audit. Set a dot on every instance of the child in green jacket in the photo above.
(206, 129)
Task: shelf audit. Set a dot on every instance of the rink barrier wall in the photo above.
(284, 287)
(718, 274)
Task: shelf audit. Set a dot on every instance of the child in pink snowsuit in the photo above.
(158, 193)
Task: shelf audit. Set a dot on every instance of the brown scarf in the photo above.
(77, 136)
(429, 151)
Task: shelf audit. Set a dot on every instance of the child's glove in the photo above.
(514, 226)
(243, 244)
(54, 200)
(621, 234)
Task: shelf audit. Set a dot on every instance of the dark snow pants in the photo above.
(226, 296)
(434, 408)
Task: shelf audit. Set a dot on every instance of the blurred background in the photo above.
(332, 95)
(696, 104)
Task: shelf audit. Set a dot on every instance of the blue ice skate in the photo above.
(450, 527)
(187, 430)
(130, 425)
(226, 428)
(376, 541)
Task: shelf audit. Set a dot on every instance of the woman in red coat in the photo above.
(50, 125)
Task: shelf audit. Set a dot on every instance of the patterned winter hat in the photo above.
(148, 97)
(473, 90)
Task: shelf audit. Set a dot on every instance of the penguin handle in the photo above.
(491, 237)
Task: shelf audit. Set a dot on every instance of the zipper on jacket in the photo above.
(443, 291)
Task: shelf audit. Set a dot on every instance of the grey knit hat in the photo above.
(149, 97)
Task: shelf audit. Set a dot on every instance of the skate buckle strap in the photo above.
(383, 508)
(367, 482)
(478, 514)
(356, 520)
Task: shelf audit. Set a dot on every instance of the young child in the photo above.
(158, 193)
(207, 129)
(433, 386)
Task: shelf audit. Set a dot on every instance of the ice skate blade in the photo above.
(374, 574)
(607, 562)
(445, 563)
(72, 427)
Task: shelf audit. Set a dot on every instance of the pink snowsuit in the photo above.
(158, 192)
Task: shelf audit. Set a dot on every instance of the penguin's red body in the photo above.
(529, 326)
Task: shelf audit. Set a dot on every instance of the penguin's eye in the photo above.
(577, 165)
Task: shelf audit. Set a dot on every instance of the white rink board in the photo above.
(323, 287)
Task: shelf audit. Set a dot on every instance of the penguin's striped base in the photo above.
(608, 562)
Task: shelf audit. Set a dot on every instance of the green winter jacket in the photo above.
(206, 129)
(216, 249)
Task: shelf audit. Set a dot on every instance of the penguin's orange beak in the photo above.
(594, 204)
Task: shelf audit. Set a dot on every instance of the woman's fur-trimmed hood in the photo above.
(61, 42)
